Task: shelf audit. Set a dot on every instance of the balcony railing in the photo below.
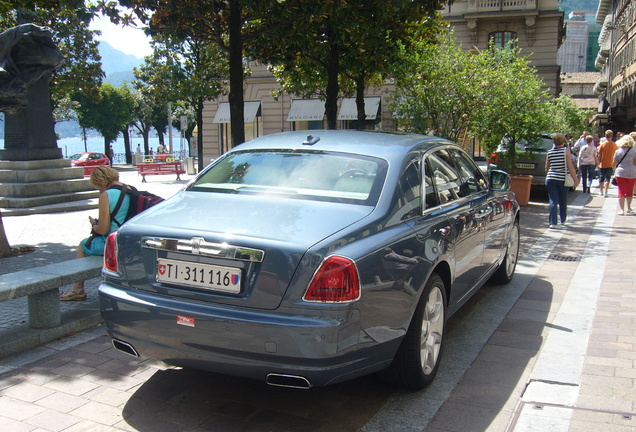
(500, 5)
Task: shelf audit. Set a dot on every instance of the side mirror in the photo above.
(499, 181)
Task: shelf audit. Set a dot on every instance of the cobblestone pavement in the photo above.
(552, 351)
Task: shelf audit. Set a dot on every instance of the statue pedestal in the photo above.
(44, 186)
(29, 133)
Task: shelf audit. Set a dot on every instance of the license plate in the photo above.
(524, 165)
(206, 276)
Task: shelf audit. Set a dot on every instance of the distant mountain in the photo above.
(114, 61)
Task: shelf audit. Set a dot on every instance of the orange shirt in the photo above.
(606, 154)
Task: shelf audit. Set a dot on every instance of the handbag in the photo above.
(569, 180)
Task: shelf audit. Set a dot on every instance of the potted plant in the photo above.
(513, 110)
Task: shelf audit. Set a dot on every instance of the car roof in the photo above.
(386, 145)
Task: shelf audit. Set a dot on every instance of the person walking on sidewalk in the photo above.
(625, 174)
(557, 162)
(102, 178)
(606, 162)
(588, 160)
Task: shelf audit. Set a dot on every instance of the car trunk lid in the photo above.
(252, 247)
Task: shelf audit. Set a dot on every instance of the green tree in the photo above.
(511, 102)
(333, 47)
(436, 88)
(184, 69)
(566, 117)
(224, 24)
(109, 111)
(490, 94)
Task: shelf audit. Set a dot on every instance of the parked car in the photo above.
(309, 260)
(530, 158)
(89, 160)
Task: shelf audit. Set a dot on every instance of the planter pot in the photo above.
(521, 185)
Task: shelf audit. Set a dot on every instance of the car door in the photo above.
(490, 214)
(466, 238)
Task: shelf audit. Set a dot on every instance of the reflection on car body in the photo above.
(349, 252)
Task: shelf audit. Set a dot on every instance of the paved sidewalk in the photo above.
(552, 351)
(563, 358)
(55, 237)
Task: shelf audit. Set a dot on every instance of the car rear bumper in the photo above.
(320, 346)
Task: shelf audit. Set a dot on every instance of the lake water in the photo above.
(71, 146)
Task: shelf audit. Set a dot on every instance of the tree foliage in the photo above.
(436, 88)
(108, 111)
(566, 117)
(489, 94)
(183, 69)
(330, 48)
(221, 23)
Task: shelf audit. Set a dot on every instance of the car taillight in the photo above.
(110, 253)
(494, 158)
(335, 281)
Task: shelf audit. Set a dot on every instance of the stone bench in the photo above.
(41, 286)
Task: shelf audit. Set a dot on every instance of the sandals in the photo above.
(71, 295)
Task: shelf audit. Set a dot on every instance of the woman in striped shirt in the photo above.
(557, 161)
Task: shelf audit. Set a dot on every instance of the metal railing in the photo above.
(491, 5)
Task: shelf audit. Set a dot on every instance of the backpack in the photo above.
(139, 201)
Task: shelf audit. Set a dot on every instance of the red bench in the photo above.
(153, 168)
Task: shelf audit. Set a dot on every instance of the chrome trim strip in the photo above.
(198, 246)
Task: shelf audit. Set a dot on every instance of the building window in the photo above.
(503, 39)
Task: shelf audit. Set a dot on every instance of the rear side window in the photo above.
(408, 202)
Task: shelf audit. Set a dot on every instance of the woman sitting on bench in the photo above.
(102, 178)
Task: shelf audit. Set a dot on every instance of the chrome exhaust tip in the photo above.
(289, 381)
(125, 347)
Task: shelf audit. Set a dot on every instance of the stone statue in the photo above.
(27, 58)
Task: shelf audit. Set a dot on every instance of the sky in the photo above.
(126, 39)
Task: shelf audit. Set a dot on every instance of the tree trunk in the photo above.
(362, 115)
(107, 150)
(126, 135)
(5, 247)
(333, 88)
(200, 134)
(146, 136)
(237, 109)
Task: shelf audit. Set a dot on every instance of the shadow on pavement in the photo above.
(192, 400)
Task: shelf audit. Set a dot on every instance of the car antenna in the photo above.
(311, 140)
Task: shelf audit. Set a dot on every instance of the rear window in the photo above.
(329, 176)
(542, 144)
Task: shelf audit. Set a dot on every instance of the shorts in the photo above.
(605, 174)
(625, 186)
(96, 247)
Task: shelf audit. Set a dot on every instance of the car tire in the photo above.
(418, 357)
(506, 269)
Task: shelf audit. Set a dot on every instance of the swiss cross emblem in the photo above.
(162, 269)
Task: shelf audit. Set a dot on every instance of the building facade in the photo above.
(616, 87)
(266, 114)
(572, 56)
(536, 25)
